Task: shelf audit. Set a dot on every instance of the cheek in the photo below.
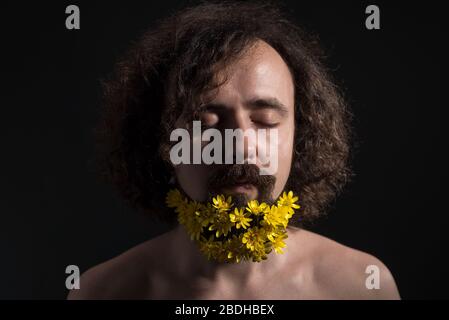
(285, 154)
(286, 140)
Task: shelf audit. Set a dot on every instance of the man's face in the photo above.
(258, 94)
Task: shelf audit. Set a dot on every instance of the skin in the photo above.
(171, 267)
(258, 94)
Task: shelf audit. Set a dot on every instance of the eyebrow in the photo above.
(256, 103)
(268, 103)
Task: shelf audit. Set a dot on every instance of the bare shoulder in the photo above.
(342, 272)
(122, 277)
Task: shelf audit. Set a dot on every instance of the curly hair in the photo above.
(167, 69)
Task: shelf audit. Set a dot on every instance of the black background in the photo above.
(54, 213)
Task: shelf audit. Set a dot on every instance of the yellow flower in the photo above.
(270, 231)
(194, 229)
(255, 208)
(174, 200)
(272, 217)
(288, 201)
(240, 219)
(279, 243)
(221, 224)
(222, 204)
(283, 214)
(191, 219)
(219, 253)
(259, 254)
(225, 243)
(254, 238)
(236, 250)
(209, 247)
(207, 215)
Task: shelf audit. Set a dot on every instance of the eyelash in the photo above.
(266, 125)
(258, 123)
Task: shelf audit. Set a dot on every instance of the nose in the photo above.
(245, 143)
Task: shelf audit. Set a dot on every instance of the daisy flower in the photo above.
(221, 224)
(255, 208)
(254, 239)
(240, 219)
(279, 243)
(288, 200)
(222, 204)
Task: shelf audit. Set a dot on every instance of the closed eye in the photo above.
(265, 124)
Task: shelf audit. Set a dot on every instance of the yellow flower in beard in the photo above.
(174, 200)
(278, 243)
(273, 217)
(209, 247)
(240, 219)
(255, 208)
(270, 231)
(222, 204)
(236, 250)
(283, 214)
(254, 239)
(221, 223)
(207, 214)
(288, 200)
(233, 238)
(191, 218)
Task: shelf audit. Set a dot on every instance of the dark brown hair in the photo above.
(165, 72)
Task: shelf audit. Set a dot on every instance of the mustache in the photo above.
(233, 174)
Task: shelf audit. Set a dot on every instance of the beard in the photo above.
(229, 175)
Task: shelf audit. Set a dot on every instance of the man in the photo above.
(230, 66)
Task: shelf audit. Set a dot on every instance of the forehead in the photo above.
(259, 73)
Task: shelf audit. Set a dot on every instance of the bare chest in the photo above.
(277, 287)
